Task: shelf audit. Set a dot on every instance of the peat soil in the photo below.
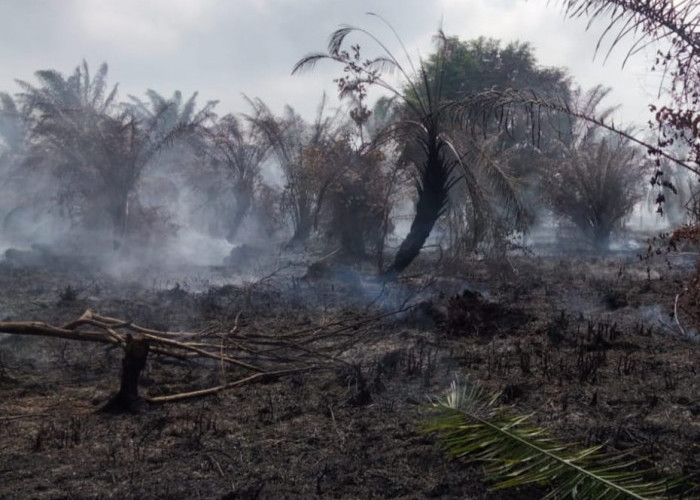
(588, 345)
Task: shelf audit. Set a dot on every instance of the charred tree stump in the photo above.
(135, 355)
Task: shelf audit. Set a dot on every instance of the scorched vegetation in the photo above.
(439, 289)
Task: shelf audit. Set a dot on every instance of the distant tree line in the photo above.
(115, 169)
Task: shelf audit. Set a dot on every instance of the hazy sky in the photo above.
(226, 48)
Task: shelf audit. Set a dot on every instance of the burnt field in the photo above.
(589, 345)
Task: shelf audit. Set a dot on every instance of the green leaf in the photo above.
(514, 453)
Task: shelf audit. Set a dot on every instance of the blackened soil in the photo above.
(587, 345)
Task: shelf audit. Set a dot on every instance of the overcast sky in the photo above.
(226, 48)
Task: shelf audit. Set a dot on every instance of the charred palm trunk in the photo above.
(302, 233)
(352, 241)
(601, 238)
(119, 212)
(243, 203)
(303, 226)
(433, 184)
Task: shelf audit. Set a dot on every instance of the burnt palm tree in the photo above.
(595, 182)
(13, 128)
(97, 149)
(79, 92)
(170, 113)
(426, 130)
(300, 149)
(239, 152)
(68, 117)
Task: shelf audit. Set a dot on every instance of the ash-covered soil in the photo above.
(589, 345)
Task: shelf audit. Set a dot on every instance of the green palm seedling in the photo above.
(470, 425)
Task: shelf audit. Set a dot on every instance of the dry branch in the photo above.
(259, 377)
(38, 328)
(259, 356)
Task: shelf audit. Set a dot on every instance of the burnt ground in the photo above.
(587, 344)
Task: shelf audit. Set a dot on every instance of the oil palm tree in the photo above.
(595, 181)
(301, 151)
(426, 127)
(239, 152)
(172, 112)
(596, 186)
(68, 118)
(97, 149)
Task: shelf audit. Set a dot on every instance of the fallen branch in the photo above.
(37, 328)
(259, 377)
(19, 417)
(263, 356)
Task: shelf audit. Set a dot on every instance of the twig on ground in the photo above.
(675, 315)
(212, 390)
(18, 417)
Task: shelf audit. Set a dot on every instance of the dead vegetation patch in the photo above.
(589, 373)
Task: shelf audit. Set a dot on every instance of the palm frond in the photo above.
(505, 187)
(157, 100)
(338, 37)
(477, 108)
(7, 103)
(96, 89)
(188, 109)
(110, 97)
(309, 61)
(646, 22)
(84, 70)
(53, 82)
(396, 36)
(514, 453)
(475, 192)
(639, 17)
(382, 64)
